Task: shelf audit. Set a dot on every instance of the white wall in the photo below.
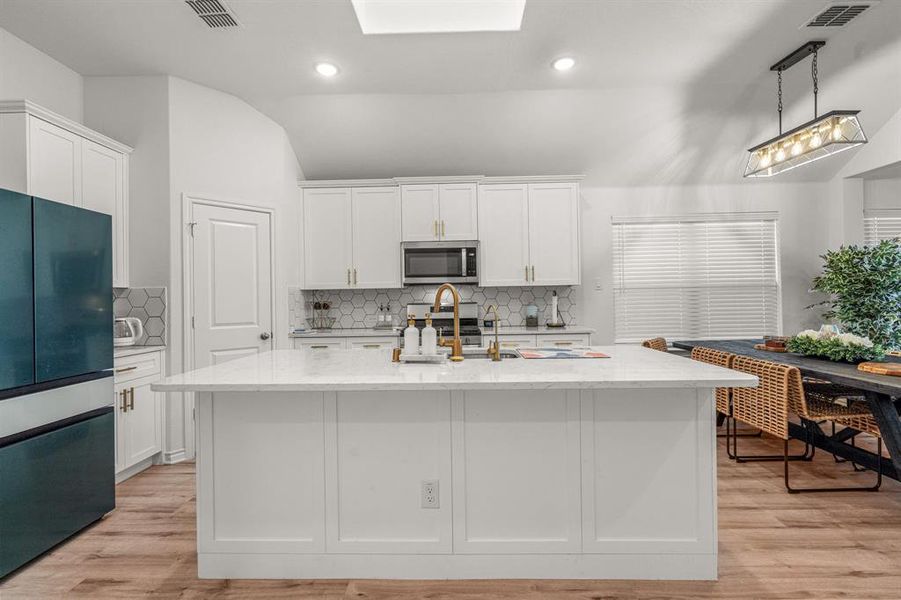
(28, 73)
(803, 236)
(882, 193)
(222, 148)
(135, 111)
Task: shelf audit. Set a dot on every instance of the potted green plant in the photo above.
(864, 288)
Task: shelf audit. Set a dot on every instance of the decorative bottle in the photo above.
(429, 337)
(411, 338)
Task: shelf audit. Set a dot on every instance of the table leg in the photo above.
(887, 417)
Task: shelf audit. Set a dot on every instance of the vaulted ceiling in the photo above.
(664, 91)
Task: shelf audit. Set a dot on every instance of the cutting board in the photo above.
(881, 368)
(766, 348)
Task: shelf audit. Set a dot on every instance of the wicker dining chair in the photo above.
(657, 343)
(779, 393)
(723, 395)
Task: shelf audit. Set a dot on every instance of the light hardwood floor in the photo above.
(772, 545)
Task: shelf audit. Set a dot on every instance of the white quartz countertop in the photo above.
(121, 351)
(361, 370)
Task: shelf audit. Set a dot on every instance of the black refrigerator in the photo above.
(57, 436)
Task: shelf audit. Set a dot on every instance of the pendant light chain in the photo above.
(780, 100)
(816, 82)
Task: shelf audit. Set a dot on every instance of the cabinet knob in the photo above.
(265, 335)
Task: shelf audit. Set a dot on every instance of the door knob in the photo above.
(264, 335)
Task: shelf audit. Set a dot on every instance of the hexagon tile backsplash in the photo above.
(360, 308)
(147, 304)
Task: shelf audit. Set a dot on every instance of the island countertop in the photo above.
(347, 370)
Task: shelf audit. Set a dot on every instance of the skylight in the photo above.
(438, 16)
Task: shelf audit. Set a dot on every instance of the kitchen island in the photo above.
(341, 464)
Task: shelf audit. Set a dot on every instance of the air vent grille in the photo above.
(213, 12)
(838, 15)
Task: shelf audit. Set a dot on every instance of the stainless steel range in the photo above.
(443, 321)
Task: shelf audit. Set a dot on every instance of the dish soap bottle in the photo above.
(429, 337)
(411, 338)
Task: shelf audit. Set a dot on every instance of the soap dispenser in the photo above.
(411, 338)
(429, 337)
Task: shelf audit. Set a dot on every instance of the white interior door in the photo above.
(503, 235)
(459, 211)
(376, 237)
(232, 283)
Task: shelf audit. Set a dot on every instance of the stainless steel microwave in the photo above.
(440, 262)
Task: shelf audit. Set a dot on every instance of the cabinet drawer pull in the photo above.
(563, 343)
(127, 369)
(527, 272)
(124, 405)
(318, 347)
(533, 272)
(372, 345)
(436, 227)
(355, 276)
(131, 402)
(348, 277)
(442, 228)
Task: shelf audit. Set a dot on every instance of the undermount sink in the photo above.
(483, 353)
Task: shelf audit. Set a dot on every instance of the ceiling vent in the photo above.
(837, 14)
(214, 13)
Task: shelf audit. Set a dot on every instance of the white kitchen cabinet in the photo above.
(373, 343)
(376, 234)
(45, 155)
(554, 234)
(319, 344)
(564, 340)
(351, 238)
(445, 212)
(514, 341)
(504, 235)
(327, 238)
(54, 157)
(529, 234)
(103, 185)
(346, 343)
(139, 412)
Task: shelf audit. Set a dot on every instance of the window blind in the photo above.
(881, 224)
(697, 277)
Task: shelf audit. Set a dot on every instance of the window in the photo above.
(881, 224)
(696, 277)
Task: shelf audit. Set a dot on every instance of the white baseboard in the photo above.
(176, 456)
(456, 566)
(133, 470)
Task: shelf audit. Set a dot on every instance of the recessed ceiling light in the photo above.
(564, 63)
(326, 69)
(438, 16)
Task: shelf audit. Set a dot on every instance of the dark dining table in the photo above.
(883, 394)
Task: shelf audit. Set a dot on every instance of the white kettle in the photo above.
(127, 331)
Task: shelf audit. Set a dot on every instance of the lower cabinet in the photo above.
(139, 412)
(561, 340)
(346, 343)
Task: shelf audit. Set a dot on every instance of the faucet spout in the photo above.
(456, 345)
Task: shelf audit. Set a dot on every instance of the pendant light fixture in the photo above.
(825, 135)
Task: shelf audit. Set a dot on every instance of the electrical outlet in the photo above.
(598, 285)
(429, 494)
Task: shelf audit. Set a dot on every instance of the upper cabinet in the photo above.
(529, 234)
(440, 212)
(45, 155)
(351, 237)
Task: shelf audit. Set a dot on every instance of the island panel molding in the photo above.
(312, 466)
